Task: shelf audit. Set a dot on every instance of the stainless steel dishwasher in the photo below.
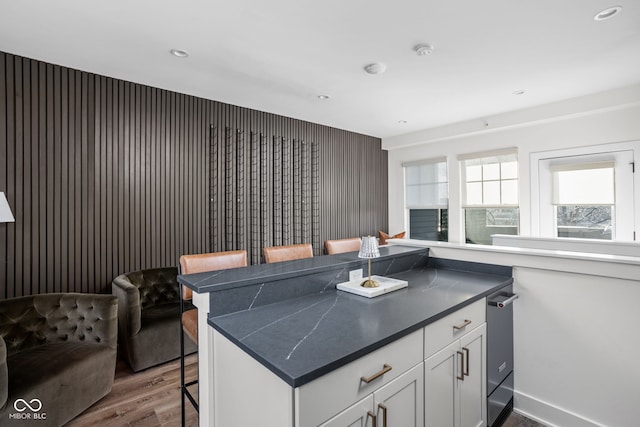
(500, 355)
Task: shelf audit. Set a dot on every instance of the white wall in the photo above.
(575, 340)
(603, 118)
(576, 352)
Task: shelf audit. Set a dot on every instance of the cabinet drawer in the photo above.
(326, 396)
(442, 332)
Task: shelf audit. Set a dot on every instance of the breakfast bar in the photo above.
(294, 338)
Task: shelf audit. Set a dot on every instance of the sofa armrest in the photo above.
(129, 310)
(4, 375)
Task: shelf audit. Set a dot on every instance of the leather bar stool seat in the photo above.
(287, 253)
(340, 246)
(198, 263)
(190, 324)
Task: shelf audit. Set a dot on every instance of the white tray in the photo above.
(386, 285)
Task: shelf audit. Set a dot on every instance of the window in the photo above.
(587, 196)
(583, 199)
(427, 199)
(490, 194)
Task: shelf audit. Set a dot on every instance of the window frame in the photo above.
(407, 206)
(462, 159)
(464, 206)
(543, 215)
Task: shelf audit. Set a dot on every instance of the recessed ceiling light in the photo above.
(323, 96)
(607, 13)
(519, 92)
(402, 122)
(179, 53)
(375, 68)
(423, 49)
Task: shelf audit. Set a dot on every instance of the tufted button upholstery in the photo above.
(26, 322)
(342, 245)
(149, 316)
(287, 253)
(53, 340)
(156, 285)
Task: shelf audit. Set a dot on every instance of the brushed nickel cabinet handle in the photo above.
(461, 376)
(466, 362)
(374, 419)
(386, 368)
(464, 324)
(384, 414)
(508, 301)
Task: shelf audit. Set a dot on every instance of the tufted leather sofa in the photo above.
(149, 317)
(59, 349)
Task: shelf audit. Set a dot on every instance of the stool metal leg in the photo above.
(182, 385)
(184, 392)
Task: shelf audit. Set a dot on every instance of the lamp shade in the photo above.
(369, 248)
(5, 211)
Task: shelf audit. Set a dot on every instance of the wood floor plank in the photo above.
(150, 398)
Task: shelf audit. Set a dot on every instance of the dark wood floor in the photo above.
(151, 398)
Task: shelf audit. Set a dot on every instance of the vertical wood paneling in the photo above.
(103, 177)
(106, 176)
(239, 197)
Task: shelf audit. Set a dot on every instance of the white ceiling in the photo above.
(279, 55)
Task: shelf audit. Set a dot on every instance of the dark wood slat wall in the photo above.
(106, 176)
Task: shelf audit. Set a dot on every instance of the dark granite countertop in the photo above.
(226, 279)
(304, 338)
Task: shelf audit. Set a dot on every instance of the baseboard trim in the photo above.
(548, 414)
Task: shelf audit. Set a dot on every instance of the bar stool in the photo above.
(340, 246)
(199, 263)
(287, 253)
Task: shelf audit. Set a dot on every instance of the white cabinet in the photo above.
(400, 403)
(455, 383)
(397, 404)
(473, 390)
(323, 398)
(433, 377)
(359, 415)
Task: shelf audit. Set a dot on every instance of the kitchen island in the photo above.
(288, 360)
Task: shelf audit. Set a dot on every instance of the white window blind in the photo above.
(427, 184)
(490, 179)
(590, 184)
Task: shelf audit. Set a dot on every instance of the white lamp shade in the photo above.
(369, 248)
(5, 211)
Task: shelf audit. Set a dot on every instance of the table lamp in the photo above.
(5, 211)
(369, 250)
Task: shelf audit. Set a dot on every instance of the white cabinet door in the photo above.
(455, 383)
(473, 390)
(440, 385)
(357, 415)
(400, 403)
(397, 404)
